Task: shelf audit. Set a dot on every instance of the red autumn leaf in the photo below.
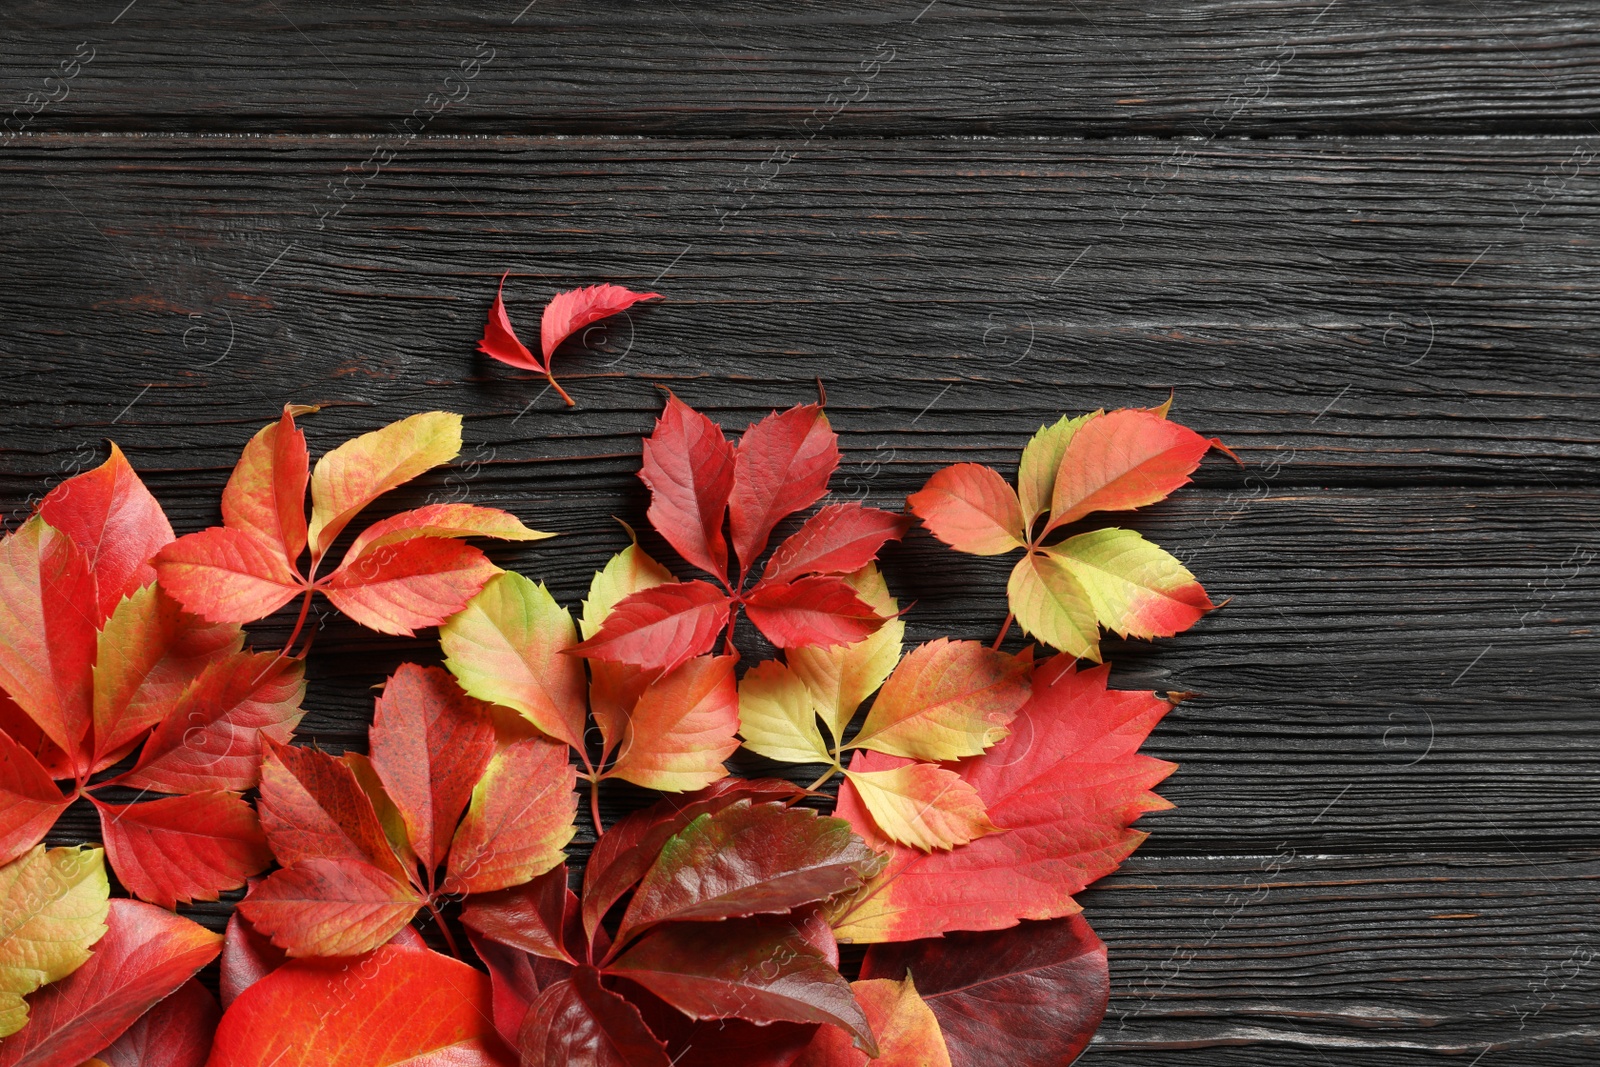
(580, 1023)
(327, 907)
(30, 803)
(401, 588)
(227, 575)
(520, 819)
(820, 611)
(681, 728)
(266, 493)
(182, 849)
(688, 467)
(747, 859)
(402, 1004)
(660, 627)
(247, 957)
(621, 858)
(1048, 980)
(566, 314)
(906, 1028)
(110, 514)
(517, 978)
(312, 807)
(537, 917)
(145, 954)
(430, 745)
(782, 465)
(1123, 460)
(26, 733)
(720, 1042)
(838, 539)
(1066, 786)
(971, 508)
(175, 1033)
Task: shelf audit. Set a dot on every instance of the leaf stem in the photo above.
(594, 805)
(829, 773)
(1005, 628)
(299, 624)
(444, 928)
(557, 387)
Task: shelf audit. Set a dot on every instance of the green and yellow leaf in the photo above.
(53, 906)
(1041, 458)
(946, 700)
(777, 718)
(923, 805)
(1052, 605)
(1135, 588)
(841, 678)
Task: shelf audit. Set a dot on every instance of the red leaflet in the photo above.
(175, 1033)
(1048, 980)
(681, 728)
(30, 803)
(182, 849)
(313, 808)
(566, 314)
(325, 907)
(580, 1023)
(401, 588)
(1123, 460)
(520, 819)
(971, 508)
(266, 495)
(402, 1004)
(688, 466)
(1065, 785)
(110, 515)
(247, 957)
(660, 627)
(538, 917)
(145, 954)
(782, 465)
(838, 539)
(819, 611)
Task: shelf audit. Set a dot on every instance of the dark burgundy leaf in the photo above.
(580, 1023)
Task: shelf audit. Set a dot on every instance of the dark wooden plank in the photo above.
(1342, 312)
(790, 72)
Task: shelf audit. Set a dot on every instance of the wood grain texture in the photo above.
(788, 71)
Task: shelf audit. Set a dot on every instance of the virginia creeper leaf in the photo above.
(430, 744)
(1136, 588)
(688, 466)
(520, 818)
(227, 575)
(1047, 979)
(113, 518)
(536, 917)
(719, 1042)
(822, 610)
(500, 341)
(506, 648)
(1041, 458)
(907, 1031)
(145, 955)
(1122, 460)
(614, 688)
(52, 909)
(440, 520)
(661, 627)
(359, 471)
(842, 677)
(971, 508)
(682, 728)
(838, 539)
(629, 571)
(26, 733)
(312, 807)
(30, 803)
(266, 493)
(516, 978)
(401, 1005)
(571, 311)
(776, 716)
(922, 805)
(175, 1033)
(402, 587)
(327, 907)
(580, 1023)
(247, 957)
(782, 464)
(389, 817)
(945, 700)
(1066, 787)
(1050, 603)
(182, 849)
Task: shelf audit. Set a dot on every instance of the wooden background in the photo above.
(1359, 242)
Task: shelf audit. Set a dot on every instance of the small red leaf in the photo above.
(182, 849)
(227, 575)
(247, 957)
(145, 955)
(682, 727)
(500, 341)
(26, 733)
(1048, 980)
(517, 979)
(688, 465)
(660, 628)
(838, 539)
(539, 917)
(114, 519)
(571, 311)
(818, 611)
(580, 1023)
(1123, 460)
(401, 587)
(324, 907)
(266, 493)
(520, 819)
(312, 807)
(30, 803)
(175, 1033)
(972, 509)
(782, 464)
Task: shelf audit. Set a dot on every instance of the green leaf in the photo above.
(842, 677)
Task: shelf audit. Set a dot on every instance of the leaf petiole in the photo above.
(444, 929)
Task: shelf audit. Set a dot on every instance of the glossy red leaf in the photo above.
(213, 737)
(684, 724)
(226, 575)
(247, 957)
(972, 509)
(430, 744)
(720, 1042)
(48, 632)
(688, 465)
(580, 1023)
(760, 970)
(266, 493)
(182, 849)
(838, 539)
(819, 611)
(660, 628)
(114, 519)
(539, 917)
(571, 311)
(1048, 980)
(30, 803)
(748, 859)
(175, 1033)
(326, 907)
(1066, 785)
(400, 1005)
(782, 464)
(312, 807)
(146, 954)
(628, 850)
(517, 978)
(402, 587)
(1123, 460)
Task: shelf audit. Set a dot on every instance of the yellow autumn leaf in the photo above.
(1052, 605)
(777, 718)
(53, 906)
(841, 677)
(1135, 588)
(364, 468)
(923, 805)
(946, 700)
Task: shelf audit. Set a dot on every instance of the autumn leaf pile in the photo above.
(978, 790)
